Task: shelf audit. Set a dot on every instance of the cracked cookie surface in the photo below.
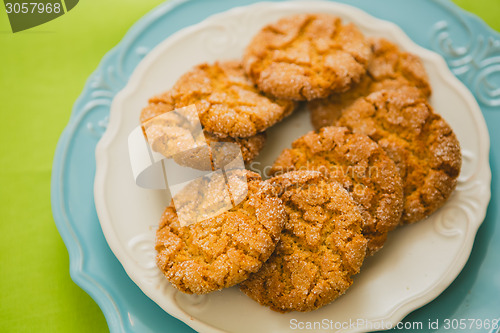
(306, 56)
(420, 142)
(221, 251)
(184, 135)
(390, 68)
(228, 103)
(320, 249)
(361, 166)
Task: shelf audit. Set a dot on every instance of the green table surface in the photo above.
(42, 72)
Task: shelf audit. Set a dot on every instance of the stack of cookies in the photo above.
(380, 157)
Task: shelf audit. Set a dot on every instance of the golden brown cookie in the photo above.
(390, 68)
(250, 147)
(221, 251)
(228, 103)
(168, 136)
(421, 143)
(307, 56)
(320, 249)
(361, 166)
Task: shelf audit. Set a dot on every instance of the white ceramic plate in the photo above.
(417, 263)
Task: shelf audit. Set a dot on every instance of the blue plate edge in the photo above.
(71, 241)
(63, 224)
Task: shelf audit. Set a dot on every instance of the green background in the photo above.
(42, 72)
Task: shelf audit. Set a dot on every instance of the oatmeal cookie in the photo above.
(420, 142)
(361, 166)
(228, 103)
(188, 144)
(307, 56)
(390, 68)
(221, 251)
(320, 249)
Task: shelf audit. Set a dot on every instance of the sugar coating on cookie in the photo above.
(307, 56)
(361, 166)
(320, 249)
(228, 103)
(204, 159)
(183, 133)
(222, 251)
(390, 68)
(421, 143)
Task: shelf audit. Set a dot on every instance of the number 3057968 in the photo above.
(32, 7)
